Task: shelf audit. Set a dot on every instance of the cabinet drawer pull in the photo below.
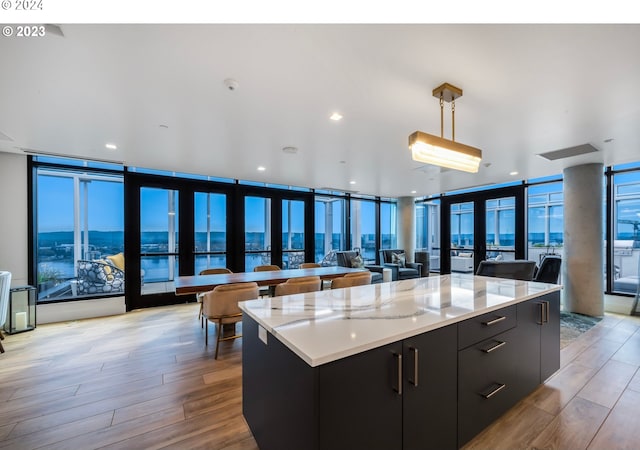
(494, 321)
(495, 347)
(398, 387)
(415, 366)
(495, 391)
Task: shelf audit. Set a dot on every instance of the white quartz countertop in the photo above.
(324, 326)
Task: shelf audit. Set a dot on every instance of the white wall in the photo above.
(13, 217)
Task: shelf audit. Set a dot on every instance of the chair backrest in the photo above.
(299, 285)
(343, 258)
(223, 300)
(352, 279)
(309, 265)
(518, 269)
(549, 270)
(266, 268)
(386, 255)
(215, 271)
(5, 286)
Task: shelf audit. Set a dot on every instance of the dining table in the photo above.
(194, 284)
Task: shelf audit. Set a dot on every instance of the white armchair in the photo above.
(5, 286)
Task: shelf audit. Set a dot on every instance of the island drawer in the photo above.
(482, 327)
(487, 382)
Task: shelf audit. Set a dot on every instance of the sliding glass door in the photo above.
(485, 225)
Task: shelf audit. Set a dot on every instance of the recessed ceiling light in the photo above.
(414, 192)
(111, 146)
(261, 168)
(290, 150)
(163, 126)
(352, 182)
(335, 116)
(515, 172)
(608, 140)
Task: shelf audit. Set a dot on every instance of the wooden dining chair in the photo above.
(309, 265)
(299, 285)
(268, 290)
(266, 268)
(210, 271)
(221, 307)
(352, 279)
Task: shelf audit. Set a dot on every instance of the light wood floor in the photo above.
(144, 380)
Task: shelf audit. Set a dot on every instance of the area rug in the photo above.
(573, 325)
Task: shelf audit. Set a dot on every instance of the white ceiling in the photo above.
(528, 89)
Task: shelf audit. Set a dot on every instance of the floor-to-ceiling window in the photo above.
(159, 239)
(257, 234)
(545, 219)
(626, 228)
(388, 225)
(293, 233)
(428, 230)
(364, 229)
(330, 213)
(210, 230)
(79, 223)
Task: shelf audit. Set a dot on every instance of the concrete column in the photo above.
(407, 226)
(582, 265)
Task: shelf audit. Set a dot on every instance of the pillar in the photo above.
(582, 272)
(407, 226)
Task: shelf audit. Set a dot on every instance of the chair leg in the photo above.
(1, 348)
(206, 334)
(1, 336)
(219, 325)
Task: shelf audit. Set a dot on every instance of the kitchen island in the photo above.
(421, 363)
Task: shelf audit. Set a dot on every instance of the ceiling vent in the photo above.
(53, 29)
(569, 152)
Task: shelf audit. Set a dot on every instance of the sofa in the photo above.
(400, 268)
(347, 258)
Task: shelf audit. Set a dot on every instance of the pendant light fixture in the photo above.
(430, 149)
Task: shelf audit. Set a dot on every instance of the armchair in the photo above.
(399, 270)
(516, 270)
(344, 259)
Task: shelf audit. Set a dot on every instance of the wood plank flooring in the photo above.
(144, 380)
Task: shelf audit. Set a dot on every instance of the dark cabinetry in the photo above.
(503, 356)
(398, 396)
(487, 370)
(435, 390)
(539, 323)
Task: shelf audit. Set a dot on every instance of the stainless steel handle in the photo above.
(398, 388)
(495, 391)
(415, 366)
(541, 305)
(546, 312)
(495, 347)
(494, 321)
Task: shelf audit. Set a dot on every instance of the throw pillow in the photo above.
(399, 259)
(117, 260)
(357, 262)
